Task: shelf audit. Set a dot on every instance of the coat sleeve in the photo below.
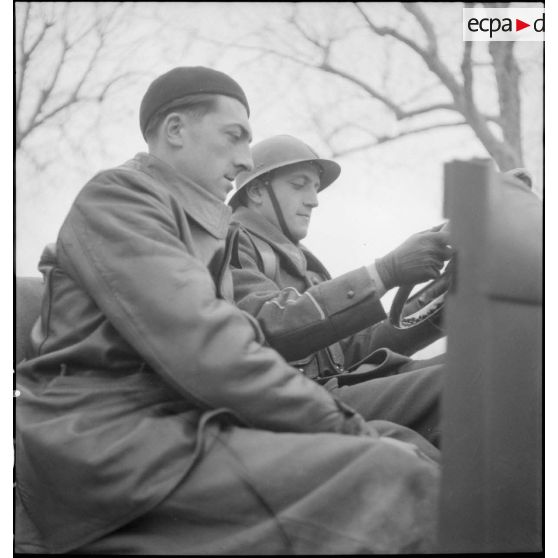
(298, 324)
(120, 243)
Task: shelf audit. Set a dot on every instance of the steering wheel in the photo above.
(426, 305)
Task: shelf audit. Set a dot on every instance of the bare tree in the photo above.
(80, 70)
(445, 93)
(67, 55)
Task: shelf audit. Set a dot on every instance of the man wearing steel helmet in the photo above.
(325, 326)
(152, 418)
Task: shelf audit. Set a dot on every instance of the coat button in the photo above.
(351, 294)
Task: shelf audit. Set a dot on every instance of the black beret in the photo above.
(183, 81)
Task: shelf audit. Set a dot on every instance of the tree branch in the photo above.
(417, 94)
(22, 58)
(47, 91)
(72, 96)
(347, 126)
(25, 55)
(101, 96)
(467, 71)
(429, 108)
(470, 108)
(387, 138)
(326, 67)
(294, 21)
(47, 25)
(384, 30)
(77, 40)
(400, 113)
(24, 27)
(426, 25)
(507, 76)
(499, 150)
(431, 59)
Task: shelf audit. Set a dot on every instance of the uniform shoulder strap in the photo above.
(268, 257)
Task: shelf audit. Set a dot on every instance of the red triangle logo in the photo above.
(519, 25)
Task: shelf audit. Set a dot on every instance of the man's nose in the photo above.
(312, 198)
(244, 160)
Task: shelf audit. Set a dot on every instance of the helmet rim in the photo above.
(330, 170)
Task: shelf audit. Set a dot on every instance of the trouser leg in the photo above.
(256, 492)
(411, 399)
(423, 363)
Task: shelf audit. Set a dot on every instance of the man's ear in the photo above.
(254, 192)
(172, 128)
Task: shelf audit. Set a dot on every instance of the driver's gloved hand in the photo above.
(418, 259)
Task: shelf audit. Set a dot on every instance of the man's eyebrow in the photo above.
(299, 174)
(305, 175)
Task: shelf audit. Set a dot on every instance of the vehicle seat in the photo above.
(29, 293)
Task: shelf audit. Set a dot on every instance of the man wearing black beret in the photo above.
(153, 418)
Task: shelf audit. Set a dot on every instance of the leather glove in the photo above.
(418, 259)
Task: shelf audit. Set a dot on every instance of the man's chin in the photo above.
(220, 190)
(227, 187)
(300, 234)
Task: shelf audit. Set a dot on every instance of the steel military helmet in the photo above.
(281, 151)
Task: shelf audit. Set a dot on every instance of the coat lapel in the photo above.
(202, 206)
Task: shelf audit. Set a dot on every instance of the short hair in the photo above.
(195, 106)
(241, 198)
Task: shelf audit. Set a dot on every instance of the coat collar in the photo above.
(202, 206)
(258, 225)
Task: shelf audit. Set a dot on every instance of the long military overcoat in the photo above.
(144, 372)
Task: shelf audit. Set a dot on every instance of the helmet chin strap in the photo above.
(278, 211)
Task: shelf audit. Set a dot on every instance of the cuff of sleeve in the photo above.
(380, 287)
(346, 291)
(340, 296)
